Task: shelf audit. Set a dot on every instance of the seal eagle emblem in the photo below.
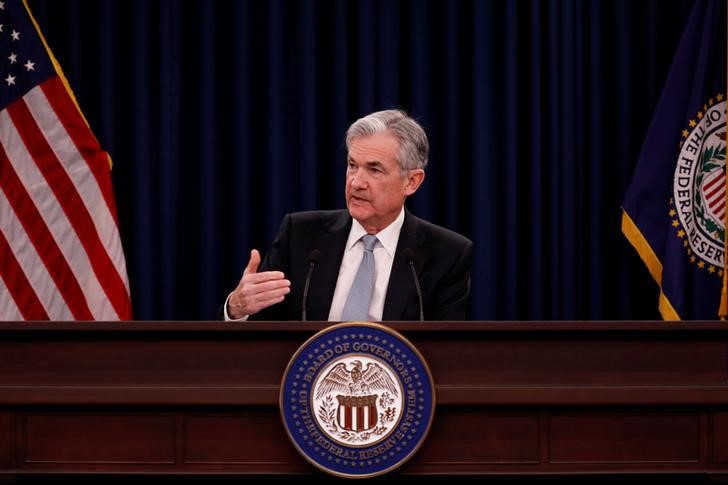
(357, 400)
(357, 405)
(347, 403)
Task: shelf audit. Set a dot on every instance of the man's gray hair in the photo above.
(413, 144)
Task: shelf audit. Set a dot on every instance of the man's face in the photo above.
(375, 188)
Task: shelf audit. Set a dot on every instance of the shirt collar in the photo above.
(388, 237)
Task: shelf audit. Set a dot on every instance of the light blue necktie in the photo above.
(360, 295)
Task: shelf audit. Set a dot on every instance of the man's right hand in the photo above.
(257, 291)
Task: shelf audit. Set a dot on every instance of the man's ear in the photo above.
(414, 180)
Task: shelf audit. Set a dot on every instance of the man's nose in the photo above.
(358, 179)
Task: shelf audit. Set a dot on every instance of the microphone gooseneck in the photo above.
(313, 258)
(409, 256)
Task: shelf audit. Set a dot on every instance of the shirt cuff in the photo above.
(225, 312)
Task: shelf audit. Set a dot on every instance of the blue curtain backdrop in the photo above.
(222, 116)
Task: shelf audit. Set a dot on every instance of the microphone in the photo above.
(409, 256)
(313, 258)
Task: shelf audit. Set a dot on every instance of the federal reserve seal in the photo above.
(357, 400)
(699, 186)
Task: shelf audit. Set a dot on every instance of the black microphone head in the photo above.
(314, 256)
(409, 255)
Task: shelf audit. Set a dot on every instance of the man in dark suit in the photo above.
(387, 155)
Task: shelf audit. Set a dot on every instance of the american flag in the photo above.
(60, 252)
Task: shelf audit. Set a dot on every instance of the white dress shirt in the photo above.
(384, 251)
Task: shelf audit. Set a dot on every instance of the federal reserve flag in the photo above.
(675, 207)
(60, 252)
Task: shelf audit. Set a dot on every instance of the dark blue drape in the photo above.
(221, 116)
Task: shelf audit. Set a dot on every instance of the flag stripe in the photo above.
(41, 237)
(83, 138)
(96, 192)
(69, 198)
(716, 200)
(24, 301)
(710, 194)
(21, 248)
(716, 204)
(8, 310)
(714, 181)
(35, 271)
(716, 196)
(36, 188)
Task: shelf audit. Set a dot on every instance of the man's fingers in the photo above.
(265, 286)
(253, 263)
(270, 301)
(257, 291)
(258, 301)
(271, 297)
(255, 278)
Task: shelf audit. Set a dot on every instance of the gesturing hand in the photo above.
(257, 291)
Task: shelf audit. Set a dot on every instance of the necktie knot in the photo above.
(369, 242)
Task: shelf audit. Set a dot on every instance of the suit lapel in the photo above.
(323, 283)
(401, 286)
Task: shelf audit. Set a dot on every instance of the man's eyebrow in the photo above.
(368, 163)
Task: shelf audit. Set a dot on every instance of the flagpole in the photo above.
(723, 309)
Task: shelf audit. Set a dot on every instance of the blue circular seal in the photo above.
(357, 400)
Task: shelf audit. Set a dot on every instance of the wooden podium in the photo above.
(513, 399)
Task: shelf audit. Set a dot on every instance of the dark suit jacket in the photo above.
(443, 261)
